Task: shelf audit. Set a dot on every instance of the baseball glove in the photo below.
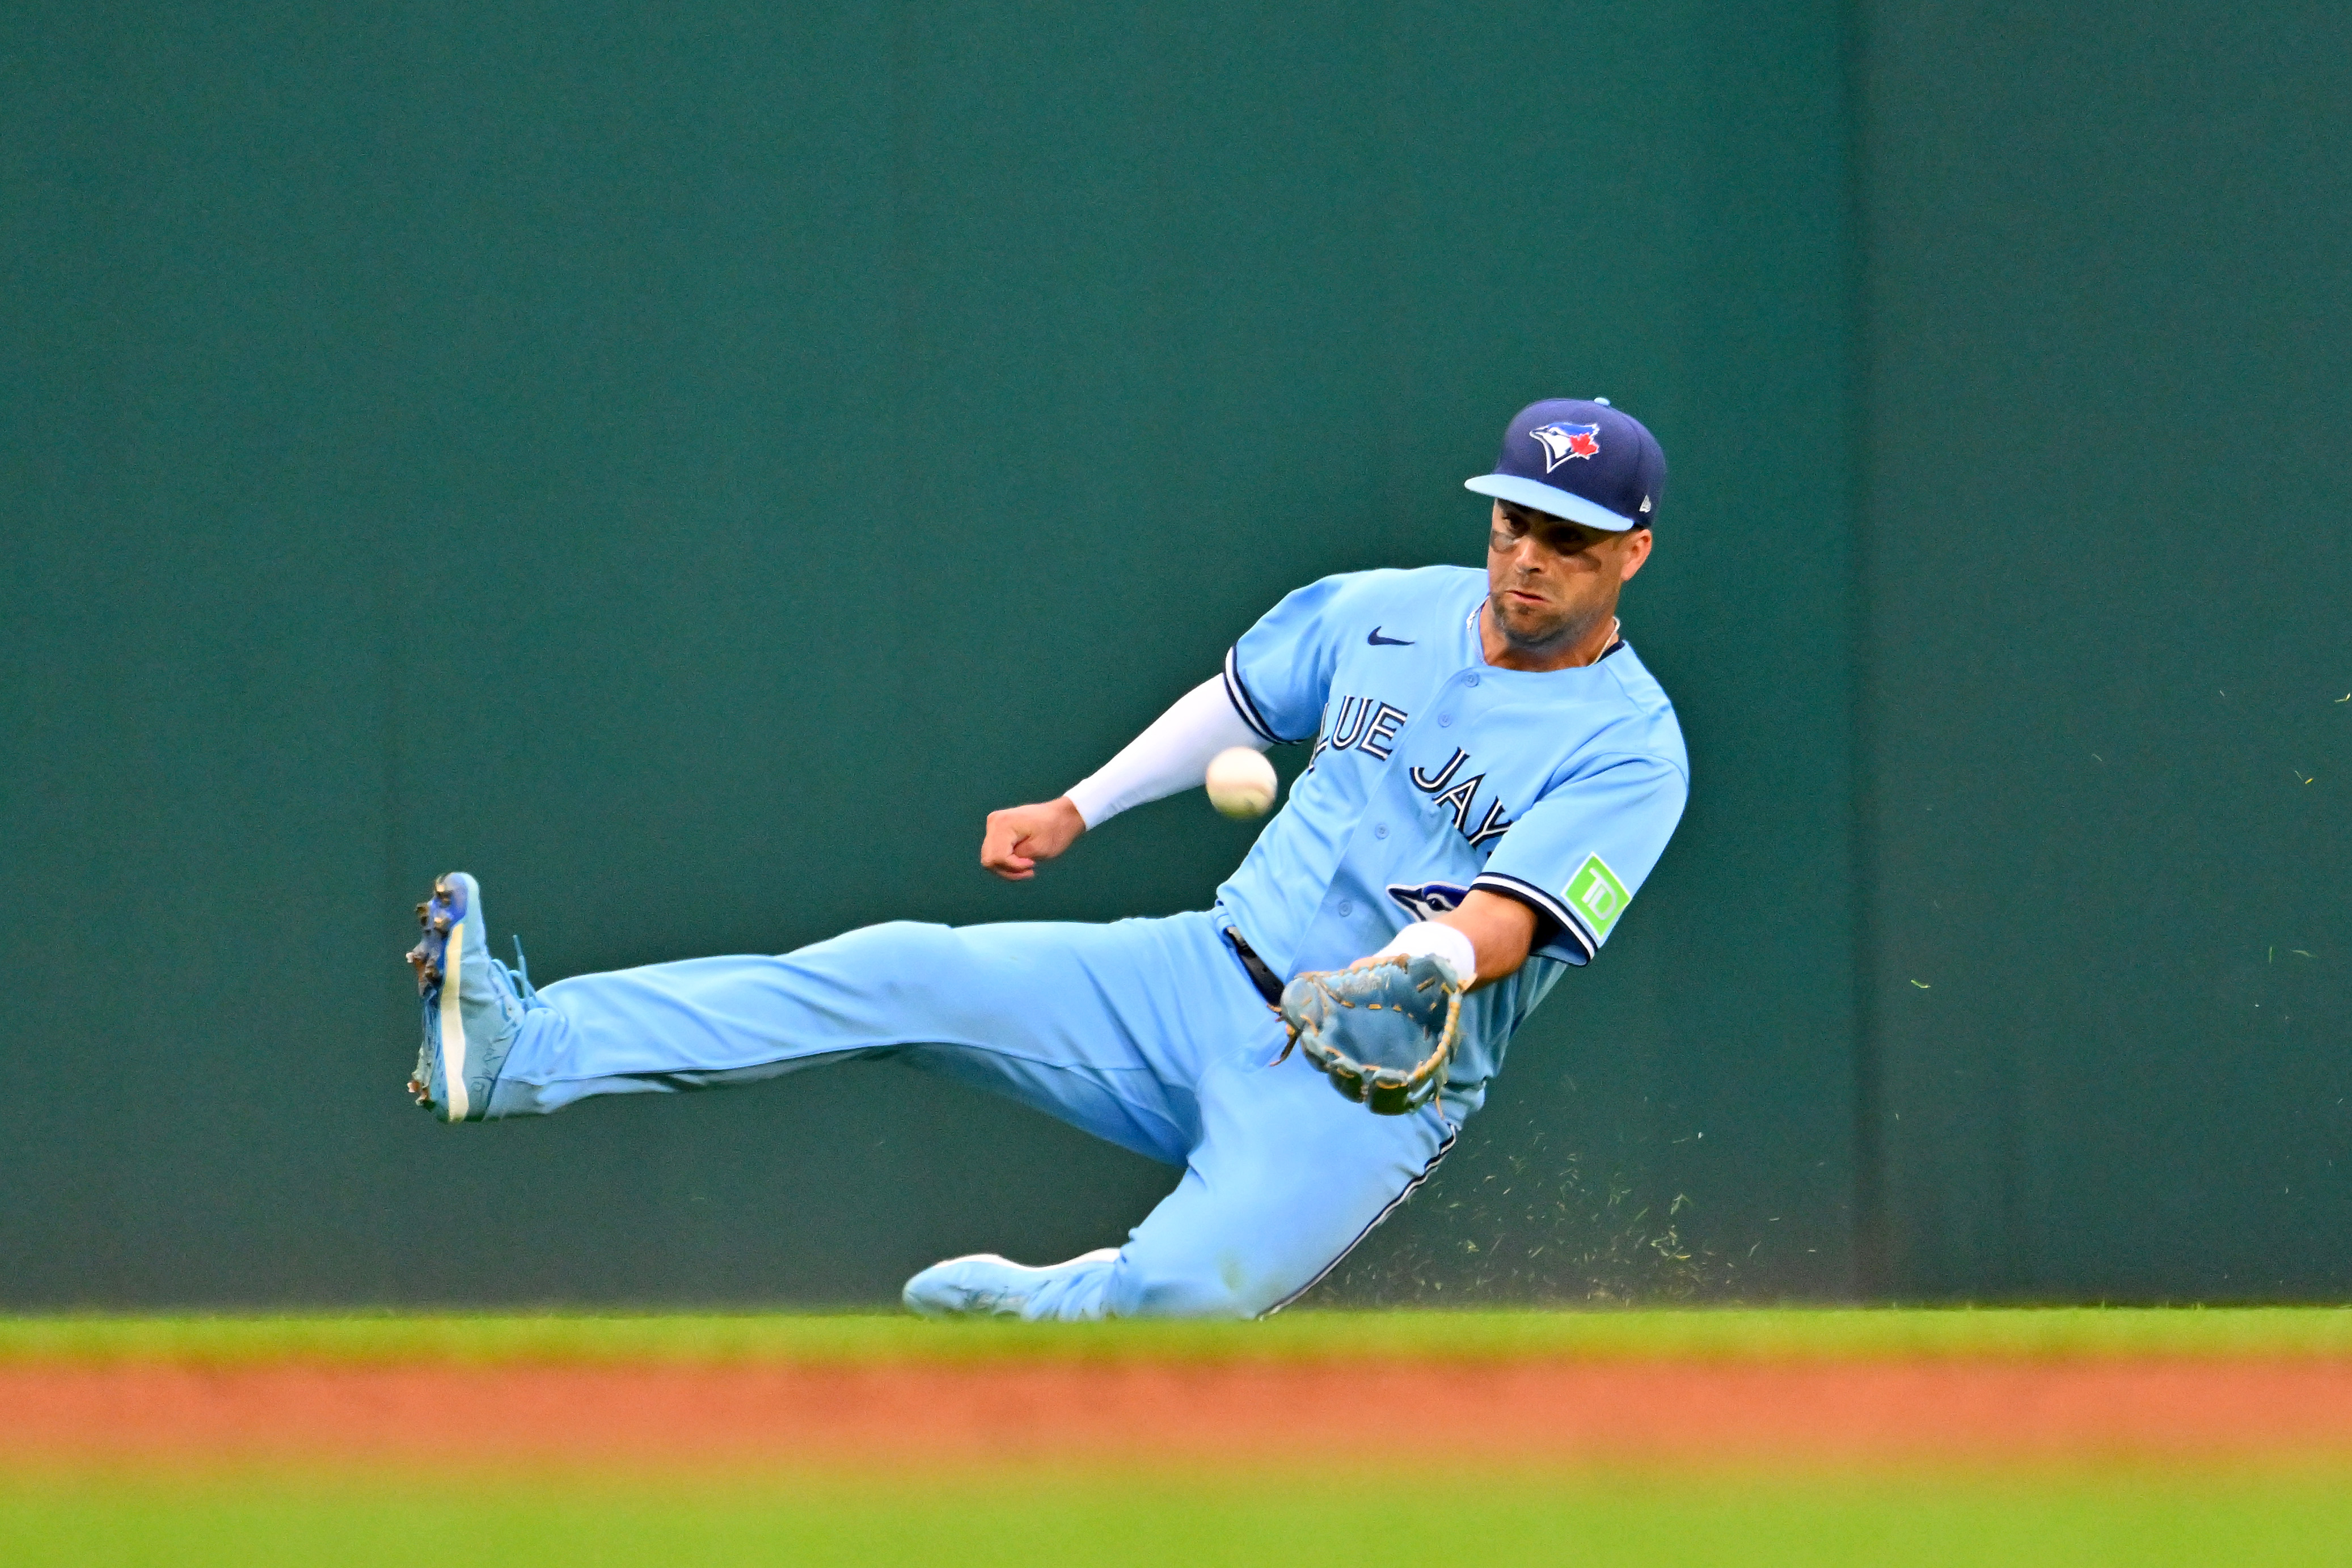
(1382, 1034)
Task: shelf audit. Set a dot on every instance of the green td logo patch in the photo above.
(1595, 894)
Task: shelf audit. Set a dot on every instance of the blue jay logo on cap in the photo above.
(1562, 442)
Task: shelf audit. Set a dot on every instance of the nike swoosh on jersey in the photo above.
(1377, 640)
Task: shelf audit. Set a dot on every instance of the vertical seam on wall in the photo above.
(1872, 1264)
(905, 378)
(1396, 346)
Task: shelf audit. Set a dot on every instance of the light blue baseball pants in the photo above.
(1145, 1032)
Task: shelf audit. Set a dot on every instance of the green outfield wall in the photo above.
(2105, 652)
(687, 466)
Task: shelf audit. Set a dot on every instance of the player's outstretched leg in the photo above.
(473, 1004)
(1069, 1019)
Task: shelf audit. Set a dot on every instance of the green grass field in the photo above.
(1699, 1334)
(1360, 1509)
(1620, 1518)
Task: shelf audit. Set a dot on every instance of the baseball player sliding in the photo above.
(1493, 774)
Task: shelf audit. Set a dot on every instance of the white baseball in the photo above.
(1241, 782)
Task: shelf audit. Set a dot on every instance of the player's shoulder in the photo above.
(1403, 591)
(1636, 686)
(1644, 719)
(1403, 581)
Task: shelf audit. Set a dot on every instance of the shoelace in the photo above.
(519, 977)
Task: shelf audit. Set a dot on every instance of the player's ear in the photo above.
(1637, 550)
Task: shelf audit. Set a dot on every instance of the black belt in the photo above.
(1268, 984)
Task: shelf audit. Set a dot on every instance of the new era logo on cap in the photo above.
(1580, 459)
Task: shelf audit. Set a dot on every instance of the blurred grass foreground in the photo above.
(1388, 1504)
(1702, 1333)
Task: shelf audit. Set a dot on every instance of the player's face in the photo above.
(1551, 581)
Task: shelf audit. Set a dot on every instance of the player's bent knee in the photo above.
(1229, 1290)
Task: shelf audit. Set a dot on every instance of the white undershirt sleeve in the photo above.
(1173, 753)
(1449, 947)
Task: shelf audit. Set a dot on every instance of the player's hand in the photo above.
(1020, 836)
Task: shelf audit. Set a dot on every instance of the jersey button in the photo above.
(1472, 681)
(1346, 909)
(1445, 721)
(1379, 830)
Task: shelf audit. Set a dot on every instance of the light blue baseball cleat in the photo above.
(985, 1285)
(473, 1004)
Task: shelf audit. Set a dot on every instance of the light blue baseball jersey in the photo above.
(1433, 773)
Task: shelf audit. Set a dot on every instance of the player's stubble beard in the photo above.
(1539, 636)
(1574, 610)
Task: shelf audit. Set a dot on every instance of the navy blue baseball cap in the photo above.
(1579, 459)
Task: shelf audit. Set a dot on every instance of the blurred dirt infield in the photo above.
(1951, 1409)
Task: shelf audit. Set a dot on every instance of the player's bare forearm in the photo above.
(1018, 837)
(1501, 931)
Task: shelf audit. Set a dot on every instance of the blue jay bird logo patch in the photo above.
(1562, 442)
(1430, 899)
